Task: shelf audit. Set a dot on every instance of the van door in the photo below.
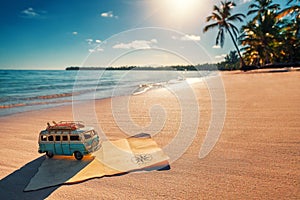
(65, 144)
(57, 145)
(49, 146)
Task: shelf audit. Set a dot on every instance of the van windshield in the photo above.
(88, 135)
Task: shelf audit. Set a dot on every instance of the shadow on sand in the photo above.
(12, 186)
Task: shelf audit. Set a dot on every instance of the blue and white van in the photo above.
(68, 138)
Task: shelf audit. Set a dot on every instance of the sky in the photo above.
(55, 34)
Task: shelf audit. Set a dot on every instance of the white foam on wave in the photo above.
(143, 88)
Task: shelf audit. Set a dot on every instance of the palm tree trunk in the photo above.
(237, 48)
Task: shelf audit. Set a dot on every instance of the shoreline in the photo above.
(256, 156)
(61, 102)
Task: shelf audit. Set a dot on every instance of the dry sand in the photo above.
(257, 155)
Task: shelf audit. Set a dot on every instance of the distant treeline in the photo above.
(206, 67)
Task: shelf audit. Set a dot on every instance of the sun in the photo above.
(181, 6)
(176, 13)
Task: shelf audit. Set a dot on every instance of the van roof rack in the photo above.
(65, 125)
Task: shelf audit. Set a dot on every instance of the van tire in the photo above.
(78, 155)
(49, 154)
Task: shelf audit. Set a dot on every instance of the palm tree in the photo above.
(223, 20)
(293, 9)
(291, 30)
(260, 36)
(231, 58)
(251, 42)
(262, 8)
(289, 42)
(289, 18)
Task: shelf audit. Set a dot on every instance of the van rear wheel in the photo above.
(78, 155)
(49, 154)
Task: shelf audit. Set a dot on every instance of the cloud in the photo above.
(220, 56)
(153, 41)
(75, 33)
(93, 45)
(244, 1)
(109, 14)
(89, 40)
(98, 49)
(216, 47)
(187, 37)
(136, 44)
(191, 38)
(30, 12)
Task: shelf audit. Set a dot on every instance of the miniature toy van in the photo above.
(68, 138)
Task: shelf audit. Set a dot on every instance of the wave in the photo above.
(33, 104)
(146, 87)
(46, 89)
(142, 89)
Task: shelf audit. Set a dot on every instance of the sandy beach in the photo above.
(256, 157)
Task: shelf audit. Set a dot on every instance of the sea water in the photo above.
(26, 90)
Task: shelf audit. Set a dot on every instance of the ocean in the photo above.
(26, 90)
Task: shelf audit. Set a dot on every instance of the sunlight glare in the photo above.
(181, 6)
(178, 13)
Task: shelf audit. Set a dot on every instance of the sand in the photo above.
(257, 155)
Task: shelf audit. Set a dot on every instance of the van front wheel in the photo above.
(78, 155)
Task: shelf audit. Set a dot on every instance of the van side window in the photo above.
(74, 137)
(43, 137)
(57, 138)
(50, 138)
(64, 138)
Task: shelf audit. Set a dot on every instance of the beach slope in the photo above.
(256, 157)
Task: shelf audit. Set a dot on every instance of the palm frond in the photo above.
(213, 16)
(210, 26)
(253, 6)
(250, 12)
(234, 29)
(220, 38)
(274, 7)
(290, 1)
(288, 11)
(229, 4)
(223, 4)
(217, 16)
(233, 3)
(236, 17)
(216, 8)
(217, 38)
(209, 18)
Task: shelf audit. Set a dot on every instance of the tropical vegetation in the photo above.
(271, 37)
(231, 62)
(223, 20)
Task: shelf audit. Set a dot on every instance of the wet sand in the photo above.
(256, 157)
